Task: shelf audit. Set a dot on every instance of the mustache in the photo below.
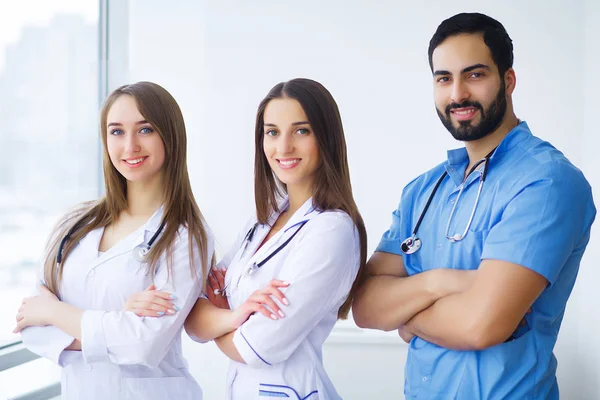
(464, 104)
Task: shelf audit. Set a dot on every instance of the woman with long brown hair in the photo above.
(146, 232)
(295, 265)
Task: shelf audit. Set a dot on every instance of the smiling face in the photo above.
(290, 145)
(135, 148)
(470, 95)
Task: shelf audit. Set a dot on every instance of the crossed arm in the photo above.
(455, 309)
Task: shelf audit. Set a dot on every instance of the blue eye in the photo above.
(116, 132)
(302, 131)
(146, 130)
(271, 132)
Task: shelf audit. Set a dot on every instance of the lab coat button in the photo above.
(92, 273)
(88, 367)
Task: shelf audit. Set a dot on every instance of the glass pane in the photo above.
(49, 141)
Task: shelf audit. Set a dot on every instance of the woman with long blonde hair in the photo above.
(146, 232)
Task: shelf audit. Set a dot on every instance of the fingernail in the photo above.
(176, 308)
(286, 283)
(273, 316)
(160, 313)
(171, 311)
(172, 296)
(281, 314)
(285, 301)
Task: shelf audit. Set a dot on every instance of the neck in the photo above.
(298, 195)
(478, 149)
(144, 198)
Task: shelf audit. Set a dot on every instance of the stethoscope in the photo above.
(256, 265)
(412, 244)
(140, 252)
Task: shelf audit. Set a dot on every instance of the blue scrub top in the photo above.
(535, 210)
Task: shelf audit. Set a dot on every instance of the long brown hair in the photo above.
(161, 110)
(332, 189)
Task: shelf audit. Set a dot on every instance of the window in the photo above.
(49, 141)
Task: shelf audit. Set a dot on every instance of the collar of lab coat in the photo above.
(91, 242)
(304, 213)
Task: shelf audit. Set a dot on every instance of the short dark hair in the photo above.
(494, 35)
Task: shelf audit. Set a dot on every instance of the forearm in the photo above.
(386, 302)
(454, 322)
(225, 344)
(207, 322)
(67, 318)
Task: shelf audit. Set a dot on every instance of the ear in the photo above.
(510, 81)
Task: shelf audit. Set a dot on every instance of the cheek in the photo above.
(113, 148)
(158, 150)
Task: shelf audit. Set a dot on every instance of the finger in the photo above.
(151, 287)
(45, 290)
(213, 282)
(20, 326)
(273, 291)
(266, 299)
(158, 308)
(163, 295)
(279, 283)
(259, 308)
(140, 312)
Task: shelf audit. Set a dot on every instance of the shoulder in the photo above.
(331, 228)
(538, 160)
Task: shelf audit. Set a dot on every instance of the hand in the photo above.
(36, 310)
(151, 303)
(405, 334)
(262, 301)
(216, 288)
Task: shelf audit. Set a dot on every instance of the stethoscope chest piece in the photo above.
(410, 245)
(252, 269)
(140, 252)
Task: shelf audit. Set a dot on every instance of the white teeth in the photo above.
(464, 112)
(289, 162)
(136, 161)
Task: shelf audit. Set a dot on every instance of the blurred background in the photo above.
(60, 58)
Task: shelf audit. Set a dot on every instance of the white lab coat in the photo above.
(284, 357)
(123, 356)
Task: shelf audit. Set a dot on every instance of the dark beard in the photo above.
(490, 118)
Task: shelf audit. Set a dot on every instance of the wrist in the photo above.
(54, 310)
(437, 283)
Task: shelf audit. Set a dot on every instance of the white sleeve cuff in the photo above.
(248, 353)
(48, 342)
(93, 342)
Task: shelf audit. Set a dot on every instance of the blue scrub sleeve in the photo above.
(392, 239)
(544, 222)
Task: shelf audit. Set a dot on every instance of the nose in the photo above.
(460, 92)
(285, 144)
(132, 143)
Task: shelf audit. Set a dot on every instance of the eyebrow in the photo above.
(120, 124)
(465, 70)
(293, 123)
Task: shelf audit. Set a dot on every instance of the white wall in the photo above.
(220, 58)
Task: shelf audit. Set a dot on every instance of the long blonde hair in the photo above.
(161, 110)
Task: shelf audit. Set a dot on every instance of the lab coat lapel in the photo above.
(304, 213)
(130, 242)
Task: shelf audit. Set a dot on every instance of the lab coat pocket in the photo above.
(156, 388)
(268, 391)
